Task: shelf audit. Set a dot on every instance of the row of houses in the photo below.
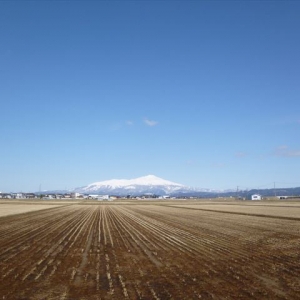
(18, 196)
(55, 196)
(259, 197)
(80, 197)
(106, 197)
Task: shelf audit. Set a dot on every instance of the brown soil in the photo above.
(148, 251)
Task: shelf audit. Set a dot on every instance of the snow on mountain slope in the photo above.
(145, 180)
(143, 184)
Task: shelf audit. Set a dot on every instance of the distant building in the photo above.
(93, 196)
(256, 197)
(30, 195)
(75, 195)
(6, 196)
(103, 197)
(98, 197)
(18, 196)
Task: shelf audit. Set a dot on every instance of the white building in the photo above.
(99, 197)
(103, 197)
(18, 196)
(256, 197)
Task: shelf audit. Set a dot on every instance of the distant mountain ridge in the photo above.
(142, 185)
(151, 184)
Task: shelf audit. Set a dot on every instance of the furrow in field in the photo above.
(141, 265)
(170, 279)
(237, 264)
(204, 262)
(220, 233)
(36, 238)
(21, 223)
(42, 255)
(105, 251)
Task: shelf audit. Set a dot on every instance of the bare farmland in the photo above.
(149, 251)
(7, 209)
(285, 210)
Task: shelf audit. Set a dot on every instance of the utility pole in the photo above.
(237, 192)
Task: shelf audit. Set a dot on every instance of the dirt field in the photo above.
(7, 209)
(283, 210)
(150, 250)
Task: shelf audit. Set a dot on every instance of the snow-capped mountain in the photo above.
(137, 186)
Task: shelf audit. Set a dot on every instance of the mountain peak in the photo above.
(144, 183)
(149, 176)
(152, 180)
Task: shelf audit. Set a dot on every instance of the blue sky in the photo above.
(202, 93)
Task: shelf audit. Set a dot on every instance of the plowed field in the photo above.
(153, 251)
(13, 209)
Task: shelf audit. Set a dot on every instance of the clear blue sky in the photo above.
(202, 93)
